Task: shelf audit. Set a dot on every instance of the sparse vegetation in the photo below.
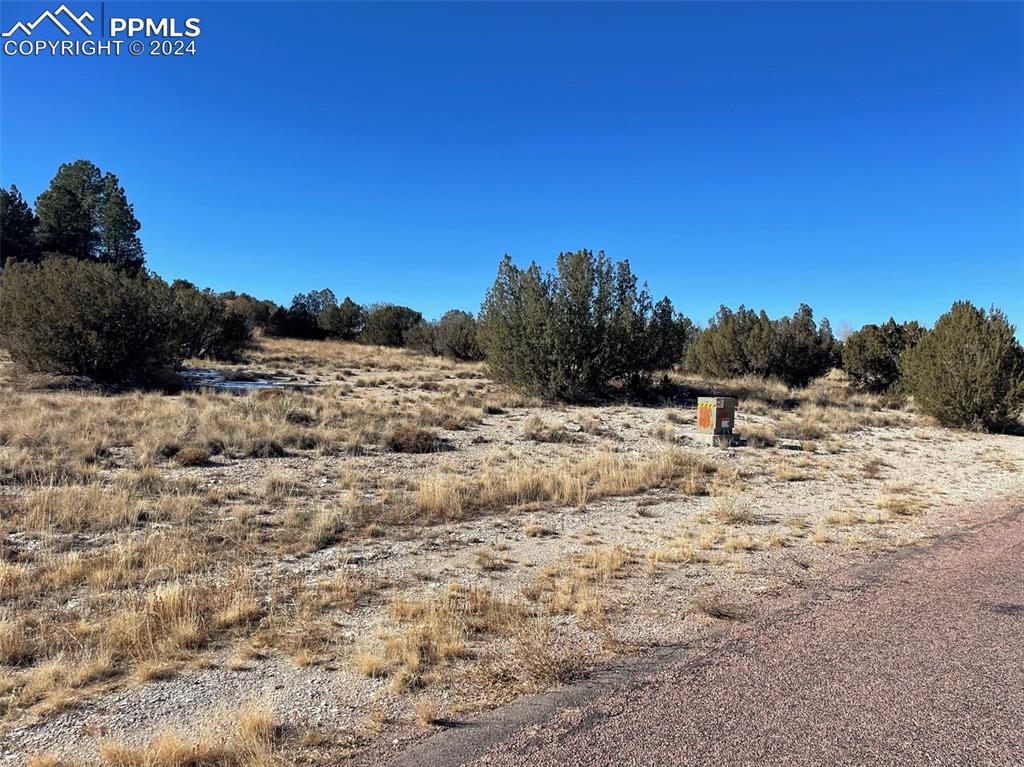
(178, 532)
(252, 742)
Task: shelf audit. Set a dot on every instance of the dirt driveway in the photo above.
(917, 660)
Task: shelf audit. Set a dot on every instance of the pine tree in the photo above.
(85, 214)
(670, 334)
(17, 228)
(350, 320)
(119, 243)
(68, 211)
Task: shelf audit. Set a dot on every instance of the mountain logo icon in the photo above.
(56, 17)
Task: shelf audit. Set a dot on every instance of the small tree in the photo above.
(207, 324)
(515, 327)
(807, 350)
(85, 318)
(304, 314)
(387, 324)
(871, 355)
(280, 323)
(793, 349)
(456, 336)
(570, 333)
(257, 313)
(671, 334)
(351, 318)
(344, 320)
(422, 337)
(17, 228)
(968, 370)
(314, 302)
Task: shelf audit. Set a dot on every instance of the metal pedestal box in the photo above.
(716, 419)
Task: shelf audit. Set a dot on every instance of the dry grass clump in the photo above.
(1000, 459)
(43, 760)
(594, 426)
(80, 508)
(797, 523)
(541, 655)
(427, 712)
(539, 430)
(192, 455)
(44, 466)
(580, 587)
(433, 633)
(448, 416)
(410, 438)
(872, 468)
(602, 564)
(324, 530)
(16, 647)
(277, 486)
(815, 421)
(570, 483)
(609, 474)
(442, 497)
(739, 542)
(759, 435)
(253, 741)
(900, 500)
(172, 619)
(12, 577)
(789, 472)
(729, 509)
(846, 517)
(801, 428)
(680, 550)
(821, 536)
(157, 628)
(490, 562)
(664, 431)
(710, 538)
(534, 529)
(537, 658)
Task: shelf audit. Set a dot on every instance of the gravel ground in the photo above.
(915, 660)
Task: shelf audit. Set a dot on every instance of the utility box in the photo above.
(716, 418)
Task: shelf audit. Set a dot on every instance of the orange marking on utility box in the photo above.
(704, 417)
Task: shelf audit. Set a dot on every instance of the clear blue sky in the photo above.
(867, 159)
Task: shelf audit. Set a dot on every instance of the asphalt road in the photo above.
(922, 664)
